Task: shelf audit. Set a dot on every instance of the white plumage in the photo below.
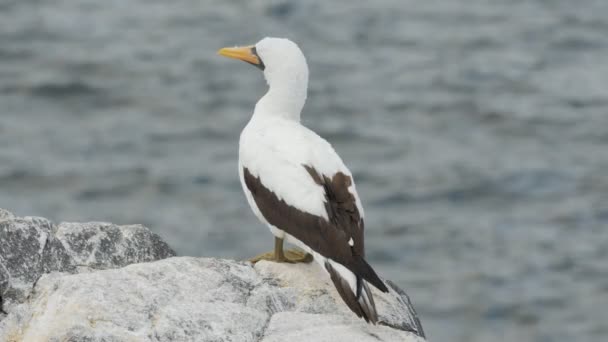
(274, 148)
(274, 145)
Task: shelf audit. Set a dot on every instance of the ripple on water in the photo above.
(476, 131)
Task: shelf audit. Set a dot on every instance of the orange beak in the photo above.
(245, 53)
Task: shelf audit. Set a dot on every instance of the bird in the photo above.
(297, 184)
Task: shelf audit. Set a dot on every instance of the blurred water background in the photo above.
(477, 131)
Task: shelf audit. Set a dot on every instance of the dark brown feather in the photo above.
(327, 237)
(354, 303)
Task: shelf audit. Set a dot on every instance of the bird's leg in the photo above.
(279, 255)
(292, 256)
(276, 255)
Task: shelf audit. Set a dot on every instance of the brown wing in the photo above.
(341, 208)
(328, 237)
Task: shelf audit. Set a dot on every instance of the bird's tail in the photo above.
(354, 291)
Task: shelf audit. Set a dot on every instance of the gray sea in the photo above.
(477, 131)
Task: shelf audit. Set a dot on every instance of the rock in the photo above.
(105, 245)
(102, 282)
(202, 299)
(312, 292)
(32, 246)
(5, 214)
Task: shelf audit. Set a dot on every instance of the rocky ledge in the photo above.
(103, 282)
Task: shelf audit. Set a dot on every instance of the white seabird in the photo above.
(297, 184)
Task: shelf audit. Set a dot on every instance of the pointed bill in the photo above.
(244, 53)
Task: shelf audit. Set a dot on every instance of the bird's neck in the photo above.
(284, 100)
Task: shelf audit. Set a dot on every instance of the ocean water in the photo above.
(477, 131)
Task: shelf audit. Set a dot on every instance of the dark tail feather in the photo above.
(368, 273)
(366, 301)
(361, 303)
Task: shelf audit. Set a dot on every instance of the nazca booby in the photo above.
(297, 184)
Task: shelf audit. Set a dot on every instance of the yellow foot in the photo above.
(264, 256)
(292, 256)
(295, 256)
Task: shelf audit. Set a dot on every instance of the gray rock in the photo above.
(32, 246)
(5, 214)
(310, 291)
(198, 299)
(104, 245)
(89, 282)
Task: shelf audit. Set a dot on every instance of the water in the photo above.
(477, 132)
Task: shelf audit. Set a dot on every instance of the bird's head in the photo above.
(281, 60)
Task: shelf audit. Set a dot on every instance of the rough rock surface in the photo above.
(32, 246)
(200, 299)
(70, 283)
